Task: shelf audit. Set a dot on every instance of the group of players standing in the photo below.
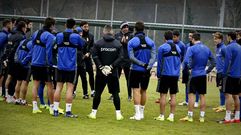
(57, 58)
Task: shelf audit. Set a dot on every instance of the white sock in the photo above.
(237, 115)
(202, 113)
(189, 113)
(35, 105)
(142, 108)
(118, 112)
(171, 115)
(137, 109)
(228, 115)
(68, 107)
(94, 111)
(162, 115)
(56, 106)
(51, 106)
(1, 91)
(6, 92)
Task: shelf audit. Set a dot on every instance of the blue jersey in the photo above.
(41, 51)
(220, 55)
(232, 64)
(3, 38)
(22, 51)
(67, 43)
(181, 45)
(3, 41)
(196, 59)
(168, 59)
(141, 50)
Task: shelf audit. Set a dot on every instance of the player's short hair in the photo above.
(139, 26)
(232, 35)
(49, 21)
(218, 35)
(168, 35)
(176, 33)
(6, 22)
(21, 25)
(70, 23)
(196, 36)
(82, 23)
(192, 31)
(107, 29)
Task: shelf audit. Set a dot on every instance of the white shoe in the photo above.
(136, 117)
(196, 104)
(142, 116)
(10, 99)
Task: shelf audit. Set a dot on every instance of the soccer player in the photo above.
(41, 61)
(13, 43)
(186, 74)
(168, 71)
(107, 54)
(232, 70)
(87, 56)
(23, 72)
(142, 52)
(67, 42)
(124, 36)
(220, 55)
(196, 60)
(6, 29)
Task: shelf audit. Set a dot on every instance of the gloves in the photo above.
(106, 70)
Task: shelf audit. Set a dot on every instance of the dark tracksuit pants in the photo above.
(113, 85)
(90, 71)
(81, 71)
(126, 72)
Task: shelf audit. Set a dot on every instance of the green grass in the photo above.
(18, 120)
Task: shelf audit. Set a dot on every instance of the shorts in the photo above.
(198, 84)
(139, 79)
(232, 85)
(11, 68)
(166, 83)
(41, 73)
(111, 81)
(219, 81)
(22, 74)
(66, 76)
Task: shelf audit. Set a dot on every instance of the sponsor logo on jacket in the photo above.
(108, 49)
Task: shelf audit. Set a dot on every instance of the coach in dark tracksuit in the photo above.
(124, 36)
(81, 68)
(87, 55)
(107, 54)
(13, 43)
